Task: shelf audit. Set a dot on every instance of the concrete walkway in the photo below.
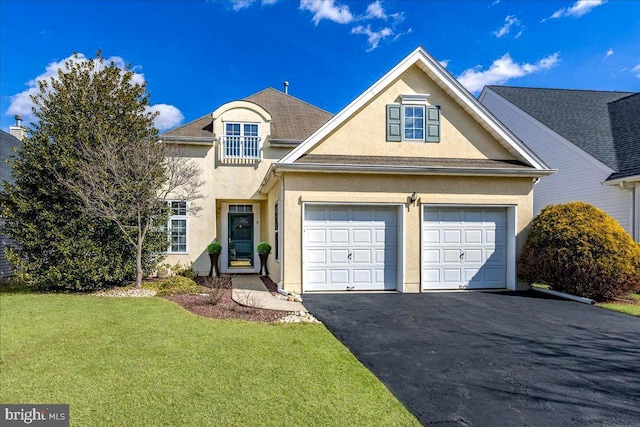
(249, 290)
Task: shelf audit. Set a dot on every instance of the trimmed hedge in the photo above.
(579, 249)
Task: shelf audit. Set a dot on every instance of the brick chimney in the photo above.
(18, 131)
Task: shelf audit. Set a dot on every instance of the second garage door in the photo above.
(350, 248)
(464, 248)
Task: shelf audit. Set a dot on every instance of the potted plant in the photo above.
(213, 249)
(264, 249)
(163, 271)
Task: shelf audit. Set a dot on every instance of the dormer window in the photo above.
(241, 141)
(413, 120)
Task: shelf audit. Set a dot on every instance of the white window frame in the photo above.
(242, 140)
(186, 225)
(418, 100)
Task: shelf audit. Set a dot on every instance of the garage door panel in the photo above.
(316, 236)
(451, 256)
(463, 247)
(317, 276)
(362, 276)
(474, 256)
(339, 256)
(317, 256)
(362, 256)
(359, 246)
(451, 275)
(339, 276)
(361, 236)
(451, 236)
(431, 236)
(338, 236)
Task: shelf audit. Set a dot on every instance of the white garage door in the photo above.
(464, 248)
(349, 248)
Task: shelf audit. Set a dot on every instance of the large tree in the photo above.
(90, 181)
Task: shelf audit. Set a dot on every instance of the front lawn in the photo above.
(148, 362)
(631, 306)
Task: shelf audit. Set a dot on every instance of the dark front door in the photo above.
(241, 240)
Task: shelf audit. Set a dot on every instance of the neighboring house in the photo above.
(412, 186)
(591, 137)
(8, 142)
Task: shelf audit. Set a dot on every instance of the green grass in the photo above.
(148, 362)
(627, 308)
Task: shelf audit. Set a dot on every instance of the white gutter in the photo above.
(563, 295)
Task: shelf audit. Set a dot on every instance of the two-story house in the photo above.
(413, 186)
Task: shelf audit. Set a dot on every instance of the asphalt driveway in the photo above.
(493, 359)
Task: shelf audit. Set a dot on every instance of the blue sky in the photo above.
(198, 54)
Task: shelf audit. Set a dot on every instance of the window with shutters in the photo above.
(413, 120)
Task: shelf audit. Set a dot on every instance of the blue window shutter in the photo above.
(394, 124)
(432, 133)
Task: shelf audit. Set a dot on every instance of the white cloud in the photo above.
(375, 10)
(636, 70)
(327, 9)
(579, 8)
(444, 63)
(22, 104)
(374, 37)
(509, 22)
(496, 2)
(502, 70)
(243, 4)
(609, 53)
(168, 117)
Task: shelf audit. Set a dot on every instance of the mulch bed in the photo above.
(226, 307)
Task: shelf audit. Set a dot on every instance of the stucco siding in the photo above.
(579, 175)
(365, 132)
(394, 190)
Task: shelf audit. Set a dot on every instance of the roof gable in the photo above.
(448, 84)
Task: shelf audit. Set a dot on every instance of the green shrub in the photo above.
(579, 249)
(175, 285)
(214, 248)
(185, 271)
(264, 248)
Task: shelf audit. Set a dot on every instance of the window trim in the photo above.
(242, 137)
(424, 122)
(186, 226)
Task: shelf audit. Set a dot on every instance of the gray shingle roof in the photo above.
(291, 118)
(7, 142)
(411, 161)
(592, 120)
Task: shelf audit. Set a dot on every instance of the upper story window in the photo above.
(241, 141)
(413, 127)
(413, 120)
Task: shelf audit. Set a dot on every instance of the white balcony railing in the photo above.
(241, 148)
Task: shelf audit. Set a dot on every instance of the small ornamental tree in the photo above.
(87, 204)
(579, 249)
